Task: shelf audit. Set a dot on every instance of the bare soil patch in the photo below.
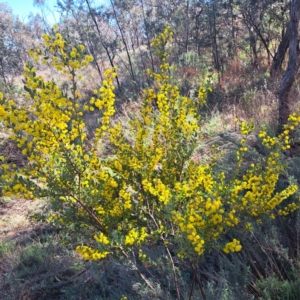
(14, 217)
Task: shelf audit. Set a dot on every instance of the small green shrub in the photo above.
(272, 288)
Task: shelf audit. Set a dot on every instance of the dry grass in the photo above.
(15, 216)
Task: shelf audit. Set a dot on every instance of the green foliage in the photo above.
(272, 288)
(38, 265)
(190, 59)
(227, 276)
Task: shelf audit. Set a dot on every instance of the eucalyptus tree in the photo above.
(15, 39)
(285, 37)
(265, 21)
(291, 72)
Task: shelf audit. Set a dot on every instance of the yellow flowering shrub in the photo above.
(149, 188)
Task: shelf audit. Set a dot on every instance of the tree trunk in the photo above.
(293, 66)
(213, 30)
(101, 40)
(147, 35)
(252, 40)
(123, 39)
(187, 24)
(252, 24)
(281, 51)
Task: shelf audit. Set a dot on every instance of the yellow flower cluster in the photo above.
(136, 236)
(245, 128)
(216, 206)
(142, 255)
(159, 44)
(63, 53)
(268, 141)
(149, 188)
(288, 209)
(101, 238)
(90, 253)
(234, 246)
(124, 194)
(105, 101)
(157, 189)
(202, 93)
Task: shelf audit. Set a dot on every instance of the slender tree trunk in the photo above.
(252, 40)
(293, 66)
(187, 25)
(213, 29)
(233, 30)
(82, 33)
(102, 42)
(197, 40)
(3, 73)
(123, 39)
(253, 47)
(264, 41)
(253, 27)
(281, 51)
(147, 36)
(231, 46)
